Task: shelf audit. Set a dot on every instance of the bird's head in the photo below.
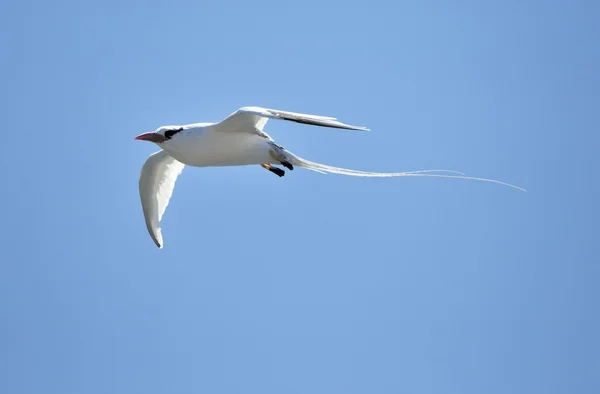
(161, 135)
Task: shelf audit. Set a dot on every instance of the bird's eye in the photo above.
(172, 132)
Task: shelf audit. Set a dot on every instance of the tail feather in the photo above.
(324, 169)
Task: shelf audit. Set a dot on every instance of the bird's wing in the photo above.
(157, 181)
(256, 117)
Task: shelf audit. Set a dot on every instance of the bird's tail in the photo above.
(324, 169)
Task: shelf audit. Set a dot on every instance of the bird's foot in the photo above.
(281, 157)
(277, 171)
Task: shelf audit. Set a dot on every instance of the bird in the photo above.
(237, 140)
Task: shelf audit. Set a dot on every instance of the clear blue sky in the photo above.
(309, 283)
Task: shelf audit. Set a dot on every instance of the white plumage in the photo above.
(237, 140)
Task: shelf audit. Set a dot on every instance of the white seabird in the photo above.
(238, 140)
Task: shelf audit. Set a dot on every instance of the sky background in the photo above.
(310, 283)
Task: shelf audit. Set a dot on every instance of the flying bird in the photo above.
(238, 140)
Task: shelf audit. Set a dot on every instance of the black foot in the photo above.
(277, 171)
(287, 165)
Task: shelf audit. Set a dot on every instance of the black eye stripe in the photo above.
(172, 132)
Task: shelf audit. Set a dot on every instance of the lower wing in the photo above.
(157, 181)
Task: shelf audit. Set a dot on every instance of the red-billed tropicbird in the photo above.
(237, 140)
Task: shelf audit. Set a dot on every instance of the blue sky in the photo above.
(309, 283)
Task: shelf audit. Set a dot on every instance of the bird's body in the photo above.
(206, 146)
(238, 140)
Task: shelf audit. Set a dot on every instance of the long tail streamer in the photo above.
(322, 168)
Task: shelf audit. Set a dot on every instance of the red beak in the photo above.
(152, 137)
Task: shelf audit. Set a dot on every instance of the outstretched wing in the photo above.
(256, 117)
(157, 181)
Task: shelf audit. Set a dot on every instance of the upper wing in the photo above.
(157, 181)
(257, 117)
